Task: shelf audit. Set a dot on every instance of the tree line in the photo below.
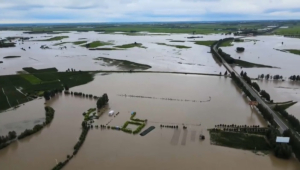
(293, 121)
(294, 78)
(263, 93)
(265, 113)
(5, 140)
(102, 101)
(268, 76)
(49, 117)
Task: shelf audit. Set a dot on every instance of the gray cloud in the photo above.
(143, 10)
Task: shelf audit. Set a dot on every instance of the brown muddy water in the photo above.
(281, 91)
(161, 148)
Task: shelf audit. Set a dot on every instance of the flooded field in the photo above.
(264, 51)
(283, 91)
(162, 148)
(159, 57)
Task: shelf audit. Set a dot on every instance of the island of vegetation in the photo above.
(176, 46)
(95, 44)
(75, 43)
(55, 38)
(123, 64)
(140, 45)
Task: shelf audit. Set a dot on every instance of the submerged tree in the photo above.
(46, 95)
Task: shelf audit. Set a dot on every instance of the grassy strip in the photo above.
(247, 64)
(239, 140)
(210, 42)
(55, 38)
(176, 46)
(140, 45)
(206, 43)
(95, 44)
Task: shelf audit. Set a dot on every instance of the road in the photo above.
(281, 124)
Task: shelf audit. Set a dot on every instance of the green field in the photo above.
(131, 45)
(95, 44)
(239, 140)
(176, 46)
(31, 78)
(293, 29)
(30, 86)
(55, 38)
(297, 52)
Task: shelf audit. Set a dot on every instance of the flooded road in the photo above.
(161, 148)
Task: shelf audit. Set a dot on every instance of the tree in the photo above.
(102, 101)
(283, 151)
(264, 94)
(267, 76)
(12, 135)
(256, 86)
(46, 95)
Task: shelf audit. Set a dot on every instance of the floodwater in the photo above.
(161, 148)
(161, 58)
(281, 91)
(264, 52)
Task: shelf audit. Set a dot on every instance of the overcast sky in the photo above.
(43, 11)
